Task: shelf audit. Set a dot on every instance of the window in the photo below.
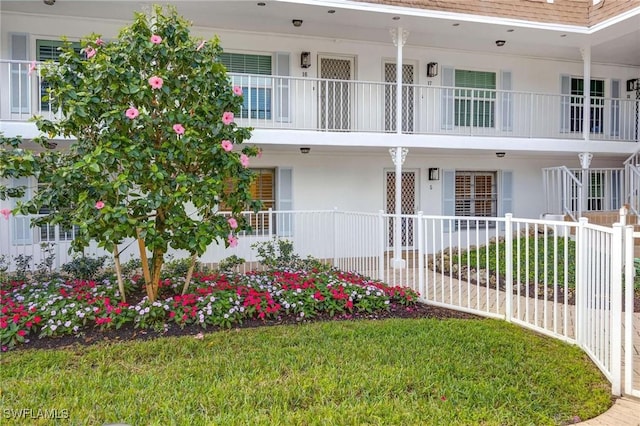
(475, 98)
(257, 91)
(48, 50)
(263, 189)
(575, 88)
(476, 194)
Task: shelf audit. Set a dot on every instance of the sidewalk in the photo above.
(625, 412)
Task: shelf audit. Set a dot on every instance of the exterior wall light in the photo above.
(500, 154)
(500, 43)
(305, 59)
(432, 69)
(297, 22)
(434, 173)
(305, 150)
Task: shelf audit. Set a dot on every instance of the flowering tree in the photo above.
(156, 150)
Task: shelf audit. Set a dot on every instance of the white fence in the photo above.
(365, 106)
(563, 279)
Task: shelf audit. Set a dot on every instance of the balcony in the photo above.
(326, 105)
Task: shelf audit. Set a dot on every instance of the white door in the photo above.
(335, 92)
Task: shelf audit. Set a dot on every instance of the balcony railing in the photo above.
(274, 102)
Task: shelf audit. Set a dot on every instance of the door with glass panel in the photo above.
(335, 93)
(408, 99)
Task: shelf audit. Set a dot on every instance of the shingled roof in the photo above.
(570, 12)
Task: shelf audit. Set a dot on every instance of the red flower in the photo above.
(22, 333)
(28, 324)
(318, 296)
(172, 314)
(349, 304)
(37, 320)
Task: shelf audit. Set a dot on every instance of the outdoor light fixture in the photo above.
(434, 173)
(49, 2)
(297, 22)
(432, 69)
(633, 84)
(305, 59)
(305, 150)
(500, 43)
(500, 154)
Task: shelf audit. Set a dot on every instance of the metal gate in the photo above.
(335, 93)
(409, 190)
(408, 102)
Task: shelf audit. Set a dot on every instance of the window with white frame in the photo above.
(257, 90)
(49, 50)
(475, 98)
(476, 194)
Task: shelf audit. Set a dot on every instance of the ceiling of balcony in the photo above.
(619, 43)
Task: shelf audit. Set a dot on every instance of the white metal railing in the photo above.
(563, 192)
(278, 102)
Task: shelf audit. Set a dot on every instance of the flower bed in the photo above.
(59, 307)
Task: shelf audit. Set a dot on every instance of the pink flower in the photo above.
(237, 90)
(259, 152)
(90, 52)
(244, 160)
(155, 82)
(178, 129)
(233, 224)
(6, 213)
(156, 39)
(32, 67)
(233, 241)
(99, 205)
(99, 42)
(201, 45)
(22, 333)
(227, 117)
(226, 145)
(132, 113)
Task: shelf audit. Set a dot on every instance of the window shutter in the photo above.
(448, 107)
(246, 64)
(20, 102)
(22, 233)
(507, 101)
(448, 195)
(565, 103)
(284, 201)
(615, 107)
(282, 97)
(506, 193)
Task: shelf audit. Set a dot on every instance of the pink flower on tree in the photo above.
(244, 160)
(226, 145)
(237, 90)
(155, 39)
(132, 113)
(227, 117)
(201, 45)
(6, 213)
(99, 42)
(233, 224)
(90, 52)
(259, 152)
(178, 129)
(233, 241)
(156, 82)
(32, 67)
(99, 205)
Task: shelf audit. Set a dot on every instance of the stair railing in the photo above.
(563, 192)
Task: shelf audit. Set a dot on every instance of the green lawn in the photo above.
(399, 372)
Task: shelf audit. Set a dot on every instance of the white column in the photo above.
(398, 154)
(586, 110)
(585, 162)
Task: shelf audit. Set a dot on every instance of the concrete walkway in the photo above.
(625, 412)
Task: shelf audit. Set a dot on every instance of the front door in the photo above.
(335, 92)
(409, 188)
(390, 90)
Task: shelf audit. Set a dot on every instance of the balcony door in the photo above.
(408, 103)
(335, 92)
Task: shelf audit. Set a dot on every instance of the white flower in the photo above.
(64, 311)
(53, 313)
(67, 324)
(53, 327)
(226, 315)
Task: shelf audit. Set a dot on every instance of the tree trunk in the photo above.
(157, 261)
(145, 265)
(189, 273)
(116, 260)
